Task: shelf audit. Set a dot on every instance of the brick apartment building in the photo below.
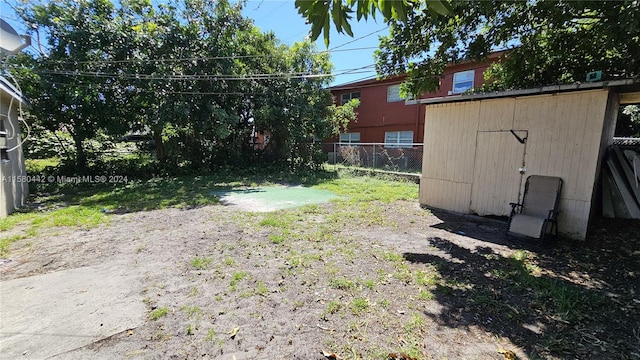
(383, 116)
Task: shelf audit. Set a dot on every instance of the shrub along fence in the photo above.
(385, 156)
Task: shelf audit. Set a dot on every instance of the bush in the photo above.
(43, 144)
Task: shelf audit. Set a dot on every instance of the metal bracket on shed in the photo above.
(520, 140)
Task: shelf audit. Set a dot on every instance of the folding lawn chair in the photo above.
(537, 215)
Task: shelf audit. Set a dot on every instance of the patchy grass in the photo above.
(570, 303)
(158, 313)
(191, 311)
(324, 274)
(359, 306)
(261, 289)
(39, 166)
(342, 284)
(236, 278)
(89, 205)
(200, 263)
(333, 307)
(366, 189)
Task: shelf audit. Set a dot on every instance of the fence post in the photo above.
(335, 157)
(373, 161)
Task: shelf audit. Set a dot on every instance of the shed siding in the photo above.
(453, 196)
(564, 135)
(496, 178)
(498, 116)
(455, 122)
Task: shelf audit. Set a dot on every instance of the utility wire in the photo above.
(196, 77)
(199, 78)
(186, 59)
(272, 11)
(358, 39)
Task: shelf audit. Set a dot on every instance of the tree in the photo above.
(628, 123)
(190, 114)
(320, 13)
(194, 74)
(547, 41)
(341, 116)
(81, 33)
(293, 114)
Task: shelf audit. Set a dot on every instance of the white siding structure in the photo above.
(475, 148)
(13, 187)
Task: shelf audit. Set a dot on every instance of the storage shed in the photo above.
(479, 149)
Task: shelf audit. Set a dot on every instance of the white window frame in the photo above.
(350, 138)
(344, 98)
(393, 93)
(398, 139)
(463, 81)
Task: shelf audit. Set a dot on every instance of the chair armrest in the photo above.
(514, 206)
(553, 214)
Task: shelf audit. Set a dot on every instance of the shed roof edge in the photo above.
(525, 92)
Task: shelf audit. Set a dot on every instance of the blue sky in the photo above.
(352, 58)
(282, 18)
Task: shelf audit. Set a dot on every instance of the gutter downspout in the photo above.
(418, 121)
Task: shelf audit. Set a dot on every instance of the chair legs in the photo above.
(549, 231)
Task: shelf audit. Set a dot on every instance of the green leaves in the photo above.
(548, 42)
(318, 12)
(340, 117)
(439, 7)
(195, 75)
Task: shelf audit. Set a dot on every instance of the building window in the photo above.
(344, 98)
(398, 139)
(393, 93)
(350, 138)
(462, 81)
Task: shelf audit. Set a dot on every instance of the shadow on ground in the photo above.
(566, 300)
(480, 228)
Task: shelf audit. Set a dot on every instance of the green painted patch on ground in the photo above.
(271, 198)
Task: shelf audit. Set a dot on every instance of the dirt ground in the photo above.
(430, 284)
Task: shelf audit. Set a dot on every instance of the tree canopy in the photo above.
(547, 41)
(321, 13)
(195, 75)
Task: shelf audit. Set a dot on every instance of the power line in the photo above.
(272, 11)
(258, 7)
(359, 38)
(178, 77)
(162, 91)
(195, 78)
(292, 36)
(201, 77)
(198, 58)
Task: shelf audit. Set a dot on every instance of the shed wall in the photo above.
(13, 187)
(564, 133)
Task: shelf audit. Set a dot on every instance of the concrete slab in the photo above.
(45, 315)
(266, 199)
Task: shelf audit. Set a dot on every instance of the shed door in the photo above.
(496, 176)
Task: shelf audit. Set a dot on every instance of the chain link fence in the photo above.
(626, 141)
(405, 158)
